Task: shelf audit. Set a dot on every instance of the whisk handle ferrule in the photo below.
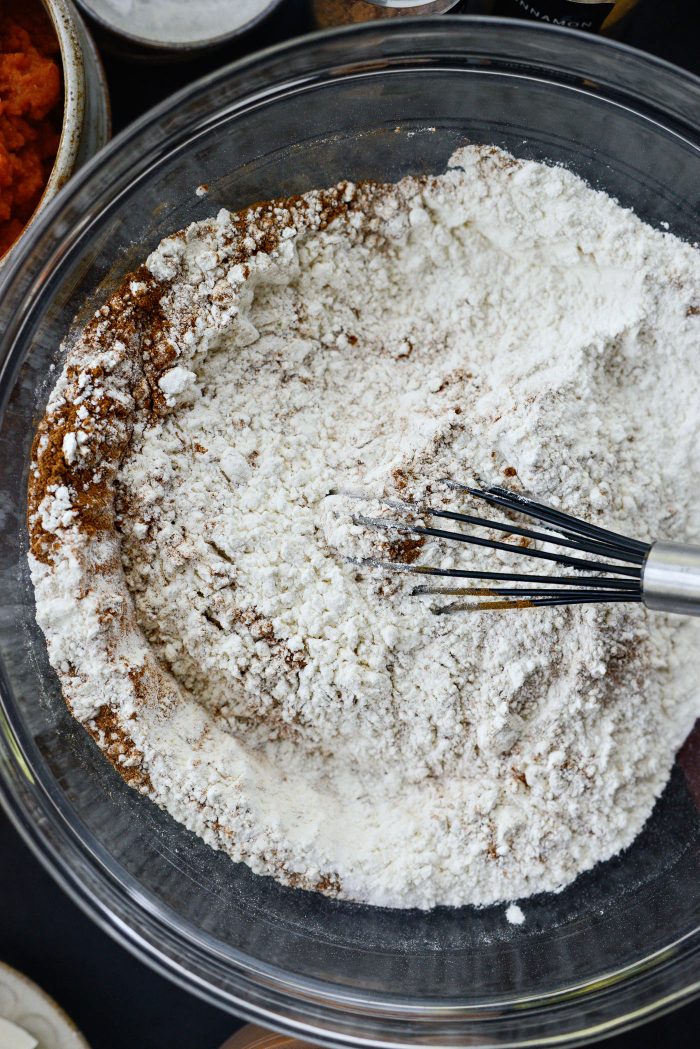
(671, 578)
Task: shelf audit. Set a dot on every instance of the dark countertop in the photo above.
(118, 1002)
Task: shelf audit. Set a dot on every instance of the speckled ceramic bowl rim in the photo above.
(182, 46)
(73, 97)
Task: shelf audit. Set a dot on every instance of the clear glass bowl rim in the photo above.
(311, 1010)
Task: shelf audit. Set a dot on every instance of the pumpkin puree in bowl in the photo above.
(30, 112)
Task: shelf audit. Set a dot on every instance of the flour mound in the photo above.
(208, 601)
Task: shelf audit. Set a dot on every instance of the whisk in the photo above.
(664, 576)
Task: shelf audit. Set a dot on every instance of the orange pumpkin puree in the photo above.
(30, 115)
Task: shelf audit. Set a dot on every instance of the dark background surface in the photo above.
(116, 1001)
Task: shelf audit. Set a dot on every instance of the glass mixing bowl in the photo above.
(377, 101)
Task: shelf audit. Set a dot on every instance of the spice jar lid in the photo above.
(176, 26)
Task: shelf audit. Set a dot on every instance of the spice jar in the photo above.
(594, 16)
(347, 12)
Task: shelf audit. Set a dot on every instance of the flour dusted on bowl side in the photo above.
(195, 559)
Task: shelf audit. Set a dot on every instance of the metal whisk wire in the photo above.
(617, 561)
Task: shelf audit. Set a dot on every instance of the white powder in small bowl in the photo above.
(177, 21)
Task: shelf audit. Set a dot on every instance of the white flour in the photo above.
(503, 321)
(514, 914)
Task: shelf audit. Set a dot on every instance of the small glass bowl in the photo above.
(376, 101)
(350, 12)
(418, 7)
